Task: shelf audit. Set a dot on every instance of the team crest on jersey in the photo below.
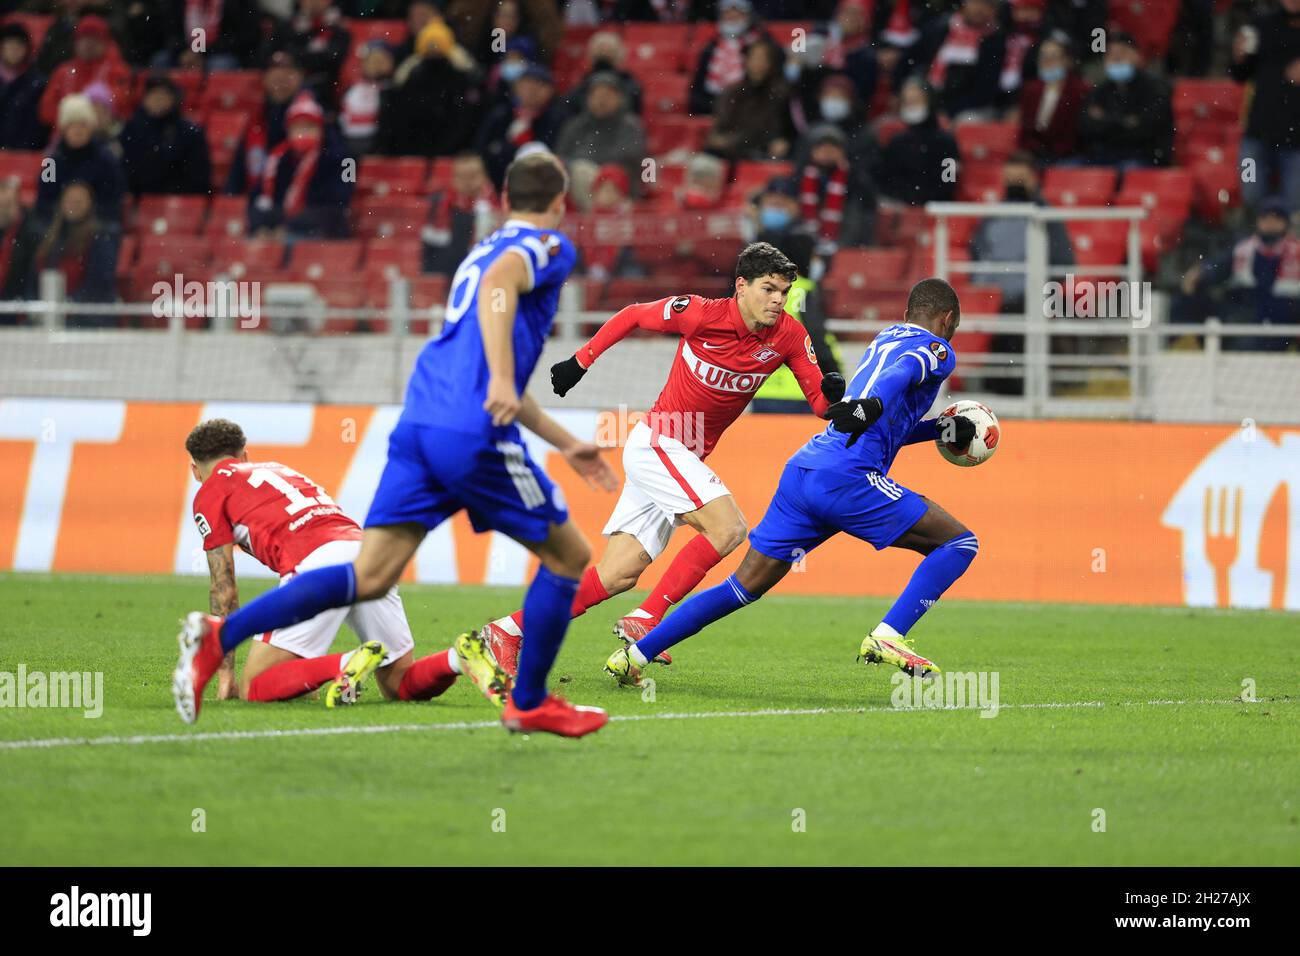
(552, 243)
(766, 354)
(940, 350)
(807, 346)
(205, 529)
(681, 303)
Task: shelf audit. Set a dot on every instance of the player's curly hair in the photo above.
(764, 259)
(215, 439)
(932, 297)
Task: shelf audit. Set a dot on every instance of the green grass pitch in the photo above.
(1131, 713)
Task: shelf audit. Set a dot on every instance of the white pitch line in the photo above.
(109, 741)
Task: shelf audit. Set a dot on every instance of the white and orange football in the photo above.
(987, 434)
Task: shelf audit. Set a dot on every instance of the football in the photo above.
(987, 434)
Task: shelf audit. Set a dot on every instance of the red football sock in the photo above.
(427, 678)
(590, 593)
(686, 571)
(294, 678)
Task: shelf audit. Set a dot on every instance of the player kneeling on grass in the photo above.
(837, 482)
(288, 523)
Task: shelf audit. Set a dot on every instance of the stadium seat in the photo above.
(1199, 100)
(385, 176)
(393, 257)
(979, 182)
(667, 133)
(392, 32)
(36, 24)
(227, 216)
(316, 259)
(391, 216)
(749, 176)
(865, 268)
(238, 257)
(164, 255)
(1150, 21)
(960, 231)
(887, 129)
(439, 174)
(985, 142)
(1098, 242)
(26, 166)
(233, 90)
(1218, 189)
(654, 49)
(1079, 186)
(180, 215)
(666, 93)
(1156, 187)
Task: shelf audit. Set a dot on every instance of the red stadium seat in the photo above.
(1218, 189)
(1219, 101)
(25, 166)
(666, 133)
(392, 32)
(1150, 21)
(225, 128)
(126, 251)
(385, 176)
(233, 90)
(1091, 186)
(1157, 186)
(654, 49)
(986, 142)
(392, 216)
(181, 215)
(317, 259)
(164, 255)
(239, 257)
(227, 216)
(666, 93)
(1098, 242)
(979, 182)
(864, 268)
(750, 176)
(393, 257)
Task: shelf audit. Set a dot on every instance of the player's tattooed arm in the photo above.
(223, 599)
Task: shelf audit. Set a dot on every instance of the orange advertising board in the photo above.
(1122, 513)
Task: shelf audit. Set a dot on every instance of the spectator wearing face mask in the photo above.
(521, 53)
(837, 106)
(963, 55)
(914, 167)
(534, 114)
(282, 82)
(1128, 119)
(722, 63)
(21, 86)
(1260, 280)
(1051, 106)
(606, 54)
(301, 192)
(1266, 52)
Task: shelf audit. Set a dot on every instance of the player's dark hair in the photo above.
(931, 298)
(215, 439)
(532, 183)
(760, 259)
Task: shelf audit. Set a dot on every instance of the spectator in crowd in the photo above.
(704, 184)
(439, 95)
(605, 131)
(302, 192)
(1128, 119)
(162, 151)
(535, 115)
(1051, 106)
(918, 165)
(478, 24)
(368, 110)
(777, 220)
(282, 81)
(837, 198)
(703, 190)
(1003, 238)
(231, 31)
(56, 47)
(900, 26)
(418, 15)
(610, 197)
(19, 236)
(21, 86)
(838, 106)
(78, 155)
(1083, 21)
(1020, 66)
(1267, 52)
(606, 54)
(521, 53)
(963, 55)
(84, 249)
(850, 49)
(457, 215)
(319, 41)
(107, 123)
(95, 59)
(752, 118)
(722, 63)
(1260, 276)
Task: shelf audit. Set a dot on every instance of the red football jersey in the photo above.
(272, 512)
(719, 366)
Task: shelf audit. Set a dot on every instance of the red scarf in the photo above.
(521, 127)
(961, 46)
(727, 65)
(203, 15)
(295, 196)
(1287, 283)
(899, 30)
(825, 207)
(449, 202)
(1018, 47)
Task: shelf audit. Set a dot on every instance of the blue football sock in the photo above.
(300, 600)
(934, 575)
(695, 614)
(548, 605)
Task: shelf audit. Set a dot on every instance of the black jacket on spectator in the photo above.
(911, 168)
(1275, 110)
(325, 214)
(90, 274)
(1137, 125)
(438, 109)
(1078, 19)
(966, 87)
(167, 155)
(20, 128)
(273, 114)
(18, 261)
(320, 54)
(95, 164)
(494, 145)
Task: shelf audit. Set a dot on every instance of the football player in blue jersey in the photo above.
(839, 481)
(457, 446)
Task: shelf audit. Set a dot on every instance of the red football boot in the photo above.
(504, 646)
(555, 715)
(632, 628)
(200, 641)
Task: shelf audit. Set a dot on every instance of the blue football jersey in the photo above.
(449, 383)
(927, 359)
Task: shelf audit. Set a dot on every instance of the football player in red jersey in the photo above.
(728, 349)
(288, 523)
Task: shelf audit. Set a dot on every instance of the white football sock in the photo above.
(637, 657)
(453, 660)
(884, 630)
(640, 613)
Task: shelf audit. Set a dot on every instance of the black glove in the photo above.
(566, 374)
(833, 386)
(957, 431)
(855, 417)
